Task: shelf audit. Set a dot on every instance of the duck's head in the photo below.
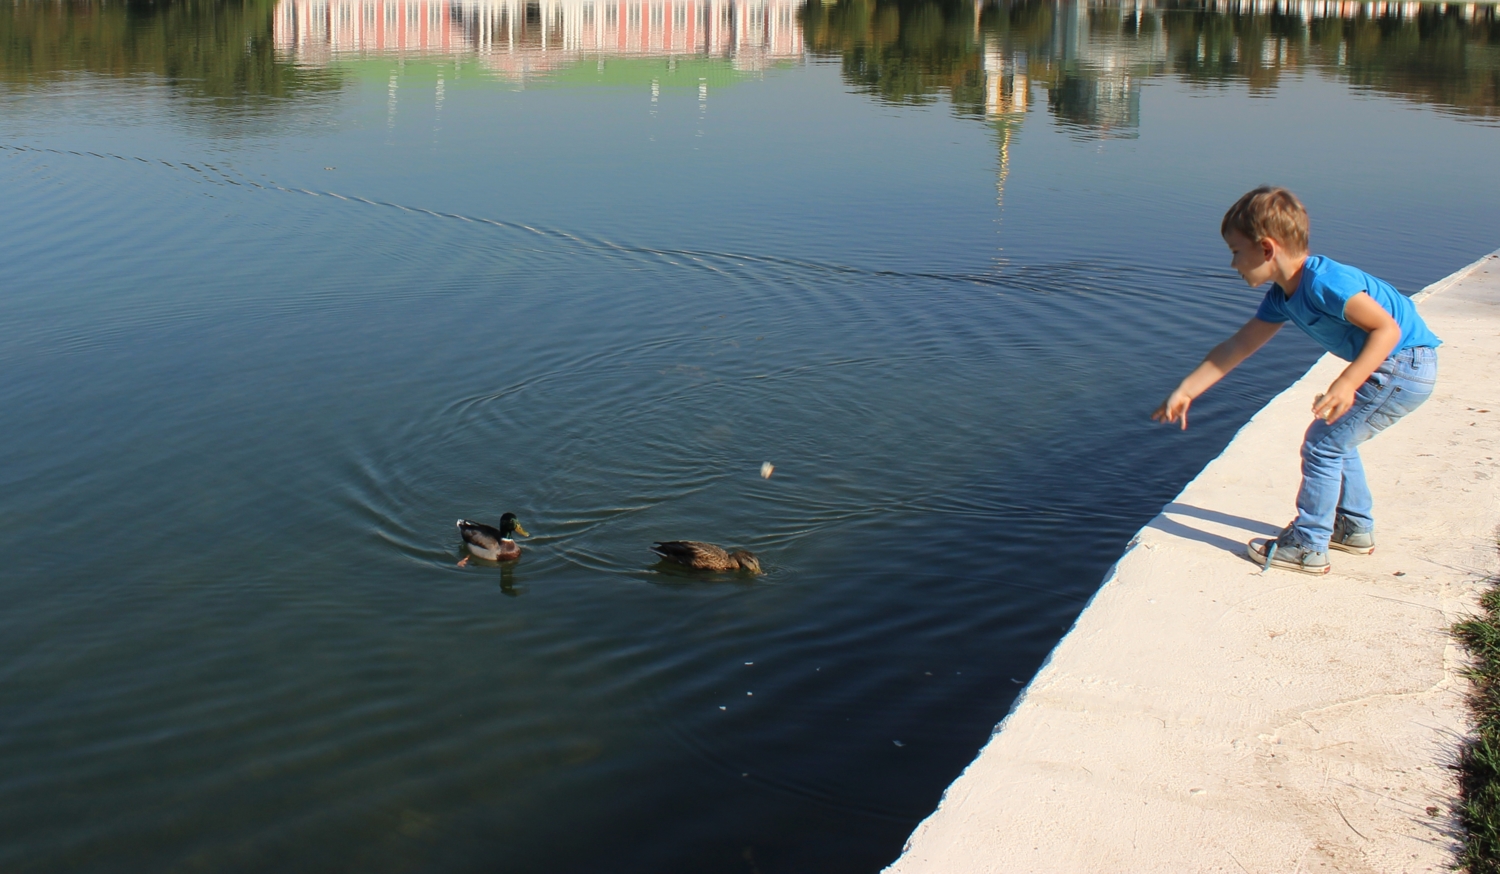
(747, 560)
(509, 525)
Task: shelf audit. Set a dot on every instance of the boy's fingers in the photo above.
(1329, 408)
(1170, 413)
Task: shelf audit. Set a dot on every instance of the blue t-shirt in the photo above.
(1317, 307)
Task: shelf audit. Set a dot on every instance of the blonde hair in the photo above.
(1268, 212)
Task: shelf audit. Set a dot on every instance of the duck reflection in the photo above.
(508, 581)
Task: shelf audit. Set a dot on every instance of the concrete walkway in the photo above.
(1201, 716)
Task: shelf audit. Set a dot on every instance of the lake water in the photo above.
(287, 288)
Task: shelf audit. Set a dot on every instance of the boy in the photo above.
(1392, 368)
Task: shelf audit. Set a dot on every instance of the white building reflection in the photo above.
(517, 37)
(1095, 56)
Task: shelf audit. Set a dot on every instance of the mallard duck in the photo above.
(492, 543)
(706, 556)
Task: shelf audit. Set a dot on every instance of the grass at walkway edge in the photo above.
(1479, 760)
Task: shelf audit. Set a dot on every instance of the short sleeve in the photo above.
(1330, 292)
(1271, 309)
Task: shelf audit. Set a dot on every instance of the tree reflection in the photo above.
(222, 52)
(906, 51)
(1434, 58)
(1092, 58)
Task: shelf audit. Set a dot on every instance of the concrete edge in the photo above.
(1112, 574)
(1437, 287)
(1455, 277)
(1316, 373)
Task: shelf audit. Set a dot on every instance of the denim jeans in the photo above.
(1333, 478)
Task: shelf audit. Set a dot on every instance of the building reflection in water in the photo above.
(1100, 69)
(987, 57)
(516, 38)
(1007, 94)
(1092, 58)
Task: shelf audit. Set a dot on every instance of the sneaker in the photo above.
(1357, 542)
(1281, 551)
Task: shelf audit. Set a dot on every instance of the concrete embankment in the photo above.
(1202, 716)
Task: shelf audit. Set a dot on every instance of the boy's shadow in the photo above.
(1254, 527)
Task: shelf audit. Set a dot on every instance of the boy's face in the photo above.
(1255, 262)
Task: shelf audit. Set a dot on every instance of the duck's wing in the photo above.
(693, 553)
(479, 534)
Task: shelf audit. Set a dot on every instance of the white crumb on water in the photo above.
(766, 469)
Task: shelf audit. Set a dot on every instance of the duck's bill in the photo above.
(522, 531)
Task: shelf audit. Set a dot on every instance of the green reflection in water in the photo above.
(904, 52)
(665, 72)
(602, 72)
(222, 52)
(1437, 59)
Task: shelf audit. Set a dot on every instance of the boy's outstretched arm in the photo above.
(1364, 313)
(1219, 361)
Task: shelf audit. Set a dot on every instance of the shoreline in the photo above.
(1201, 716)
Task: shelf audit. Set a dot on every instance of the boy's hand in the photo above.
(1174, 408)
(1331, 406)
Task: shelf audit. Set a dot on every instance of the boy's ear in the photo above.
(1268, 248)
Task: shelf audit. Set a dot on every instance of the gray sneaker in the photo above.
(1283, 552)
(1357, 542)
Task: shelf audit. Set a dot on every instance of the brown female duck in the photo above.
(707, 556)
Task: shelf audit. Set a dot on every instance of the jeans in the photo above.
(1333, 478)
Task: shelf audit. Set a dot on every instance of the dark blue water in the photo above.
(280, 304)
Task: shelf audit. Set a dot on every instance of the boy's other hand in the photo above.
(1174, 408)
(1331, 406)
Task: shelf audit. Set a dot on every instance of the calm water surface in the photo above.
(287, 288)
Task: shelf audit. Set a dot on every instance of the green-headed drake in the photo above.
(493, 544)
